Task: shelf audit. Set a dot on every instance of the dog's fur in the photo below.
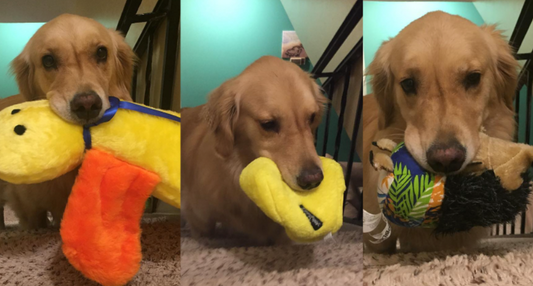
(73, 41)
(438, 50)
(223, 136)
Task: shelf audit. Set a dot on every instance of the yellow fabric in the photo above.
(261, 180)
(50, 146)
(148, 141)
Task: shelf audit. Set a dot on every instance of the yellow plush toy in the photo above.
(132, 152)
(38, 146)
(306, 216)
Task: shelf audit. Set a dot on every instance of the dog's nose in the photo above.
(446, 158)
(86, 106)
(310, 178)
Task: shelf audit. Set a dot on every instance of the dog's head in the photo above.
(447, 79)
(271, 110)
(75, 63)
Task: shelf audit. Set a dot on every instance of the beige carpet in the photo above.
(35, 257)
(498, 262)
(336, 262)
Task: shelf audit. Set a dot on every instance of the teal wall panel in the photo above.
(13, 37)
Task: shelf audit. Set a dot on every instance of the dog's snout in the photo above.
(310, 178)
(86, 106)
(446, 158)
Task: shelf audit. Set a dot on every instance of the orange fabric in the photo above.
(438, 192)
(101, 225)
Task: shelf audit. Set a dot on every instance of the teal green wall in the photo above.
(221, 38)
(522, 117)
(384, 20)
(13, 37)
(344, 148)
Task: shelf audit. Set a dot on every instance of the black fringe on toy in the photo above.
(471, 201)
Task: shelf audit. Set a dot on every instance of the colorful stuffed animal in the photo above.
(493, 189)
(132, 152)
(307, 216)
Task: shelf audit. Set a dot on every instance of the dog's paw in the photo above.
(381, 161)
(380, 155)
(385, 144)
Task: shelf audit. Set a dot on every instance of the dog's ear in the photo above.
(124, 64)
(22, 68)
(381, 83)
(506, 66)
(222, 111)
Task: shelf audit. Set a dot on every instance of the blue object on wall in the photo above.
(13, 37)
(384, 20)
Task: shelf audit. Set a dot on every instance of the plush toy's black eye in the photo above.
(408, 86)
(15, 111)
(20, 129)
(49, 62)
(472, 80)
(270, 125)
(312, 118)
(101, 54)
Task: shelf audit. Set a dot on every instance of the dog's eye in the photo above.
(49, 62)
(270, 125)
(101, 54)
(312, 118)
(408, 86)
(472, 80)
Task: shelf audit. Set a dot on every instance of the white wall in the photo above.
(364, 76)
(504, 13)
(316, 21)
(106, 12)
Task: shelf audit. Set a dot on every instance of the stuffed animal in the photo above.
(38, 146)
(307, 216)
(508, 160)
(131, 153)
(494, 188)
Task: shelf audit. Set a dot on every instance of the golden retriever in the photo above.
(270, 110)
(436, 84)
(75, 63)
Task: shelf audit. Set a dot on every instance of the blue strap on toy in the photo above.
(115, 105)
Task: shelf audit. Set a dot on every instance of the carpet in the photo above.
(498, 261)
(35, 257)
(225, 261)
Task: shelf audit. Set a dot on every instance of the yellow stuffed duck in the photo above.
(307, 216)
(38, 146)
(131, 153)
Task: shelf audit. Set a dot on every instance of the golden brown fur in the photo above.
(73, 41)
(221, 137)
(438, 50)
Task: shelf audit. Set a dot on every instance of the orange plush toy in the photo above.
(102, 217)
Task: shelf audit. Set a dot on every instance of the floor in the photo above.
(224, 261)
(499, 261)
(35, 257)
